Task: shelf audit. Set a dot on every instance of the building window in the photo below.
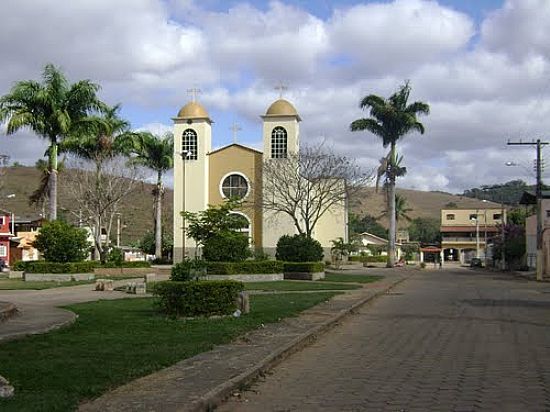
(189, 144)
(473, 216)
(498, 216)
(2, 220)
(548, 213)
(3, 251)
(450, 216)
(234, 186)
(278, 143)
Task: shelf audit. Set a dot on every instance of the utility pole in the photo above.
(540, 257)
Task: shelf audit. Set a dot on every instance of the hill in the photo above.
(423, 204)
(136, 211)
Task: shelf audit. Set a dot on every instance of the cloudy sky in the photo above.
(482, 65)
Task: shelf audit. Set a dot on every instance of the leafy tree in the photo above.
(50, 109)
(60, 242)
(214, 221)
(299, 248)
(391, 119)
(366, 223)
(518, 216)
(514, 244)
(226, 246)
(425, 230)
(508, 193)
(147, 244)
(451, 205)
(376, 250)
(409, 250)
(155, 153)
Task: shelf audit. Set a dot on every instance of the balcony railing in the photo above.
(462, 239)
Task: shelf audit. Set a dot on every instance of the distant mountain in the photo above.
(137, 210)
(423, 204)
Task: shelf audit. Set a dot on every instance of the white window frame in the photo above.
(220, 186)
(3, 251)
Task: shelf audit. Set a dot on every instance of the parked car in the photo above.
(476, 263)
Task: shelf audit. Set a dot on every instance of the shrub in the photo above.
(162, 261)
(203, 298)
(308, 267)
(60, 242)
(226, 246)
(187, 270)
(299, 248)
(40, 266)
(371, 259)
(244, 268)
(124, 264)
(116, 256)
(422, 265)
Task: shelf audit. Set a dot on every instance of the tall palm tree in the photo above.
(157, 154)
(50, 109)
(98, 139)
(391, 119)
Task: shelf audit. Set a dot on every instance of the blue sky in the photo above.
(482, 65)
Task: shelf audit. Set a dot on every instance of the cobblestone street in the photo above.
(443, 340)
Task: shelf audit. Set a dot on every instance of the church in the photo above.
(203, 176)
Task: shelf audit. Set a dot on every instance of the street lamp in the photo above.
(185, 155)
(477, 233)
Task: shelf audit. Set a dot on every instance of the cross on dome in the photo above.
(281, 87)
(194, 92)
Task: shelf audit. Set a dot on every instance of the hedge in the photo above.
(248, 267)
(192, 298)
(378, 258)
(136, 264)
(307, 267)
(41, 266)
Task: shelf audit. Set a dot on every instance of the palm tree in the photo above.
(155, 153)
(41, 194)
(391, 119)
(50, 109)
(401, 210)
(98, 139)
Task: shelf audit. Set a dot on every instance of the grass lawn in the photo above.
(114, 342)
(294, 285)
(14, 284)
(338, 277)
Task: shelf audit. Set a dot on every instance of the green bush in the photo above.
(356, 258)
(204, 298)
(60, 242)
(226, 246)
(299, 248)
(187, 270)
(41, 266)
(116, 256)
(308, 267)
(244, 268)
(371, 259)
(136, 264)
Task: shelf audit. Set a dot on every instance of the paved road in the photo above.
(443, 340)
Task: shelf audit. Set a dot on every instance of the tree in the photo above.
(95, 197)
(425, 230)
(298, 248)
(401, 210)
(391, 119)
(60, 242)
(340, 249)
(366, 223)
(203, 225)
(99, 140)
(50, 109)
(308, 184)
(155, 153)
(514, 244)
(42, 192)
(147, 244)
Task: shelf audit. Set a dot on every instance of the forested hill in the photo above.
(509, 193)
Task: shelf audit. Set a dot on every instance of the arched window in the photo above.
(278, 143)
(189, 144)
(234, 186)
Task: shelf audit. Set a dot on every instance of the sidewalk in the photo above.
(202, 382)
(39, 310)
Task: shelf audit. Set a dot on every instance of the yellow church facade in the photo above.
(203, 176)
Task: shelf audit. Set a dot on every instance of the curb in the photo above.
(213, 398)
(41, 330)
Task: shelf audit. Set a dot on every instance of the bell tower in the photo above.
(192, 143)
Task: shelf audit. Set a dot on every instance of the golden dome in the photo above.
(281, 107)
(193, 110)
